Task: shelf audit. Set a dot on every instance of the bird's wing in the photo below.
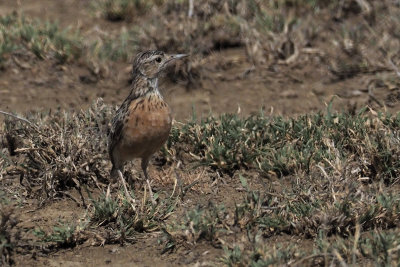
(115, 134)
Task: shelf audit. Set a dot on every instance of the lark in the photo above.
(143, 122)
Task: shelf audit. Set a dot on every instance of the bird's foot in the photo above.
(153, 201)
(127, 194)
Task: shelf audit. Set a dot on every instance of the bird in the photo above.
(143, 122)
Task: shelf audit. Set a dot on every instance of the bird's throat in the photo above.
(153, 83)
(142, 86)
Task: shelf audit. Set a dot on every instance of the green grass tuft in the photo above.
(291, 146)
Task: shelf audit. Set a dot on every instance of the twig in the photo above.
(281, 196)
(191, 6)
(108, 192)
(186, 188)
(19, 118)
(16, 117)
(356, 239)
(196, 181)
(297, 263)
(365, 6)
(371, 94)
(394, 249)
(71, 197)
(339, 258)
(395, 68)
(178, 178)
(175, 184)
(81, 196)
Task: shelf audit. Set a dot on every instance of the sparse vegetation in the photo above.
(331, 161)
(116, 10)
(21, 37)
(380, 247)
(316, 189)
(111, 220)
(63, 235)
(204, 223)
(294, 146)
(271, 32)
(122, 47)
(18, 33)
(123, 219)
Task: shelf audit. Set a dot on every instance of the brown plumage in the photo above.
(143, 122)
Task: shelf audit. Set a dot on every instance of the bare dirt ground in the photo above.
(229, 84)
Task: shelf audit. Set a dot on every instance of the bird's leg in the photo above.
(128, 196)
(145, 162)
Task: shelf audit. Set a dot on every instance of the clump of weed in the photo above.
(110, 220)
(63, 235)
(301, 211)
(24, 40)
(260, 255)
(290, 146)
(61, 150)
(205, 27)
(122, 47)
(377, 247)
(119, 220)
(204, 223)
(41, 39)
(198, 224)
(344, 231)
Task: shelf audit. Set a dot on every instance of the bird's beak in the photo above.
(175, 57)
(179, 56)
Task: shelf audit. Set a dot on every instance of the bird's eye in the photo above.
(158, 59)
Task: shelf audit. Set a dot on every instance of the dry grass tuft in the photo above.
(61, 151)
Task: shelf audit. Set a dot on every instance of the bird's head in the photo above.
(151, 63)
